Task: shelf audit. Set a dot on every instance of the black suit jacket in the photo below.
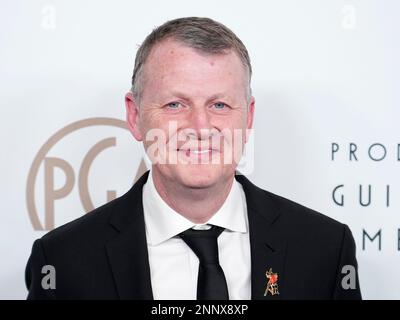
(103, 255)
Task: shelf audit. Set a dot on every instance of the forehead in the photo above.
(172, 65)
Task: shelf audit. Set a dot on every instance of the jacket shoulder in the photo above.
(95, 228)
(87, 229)
(284, 208)
(302, 215)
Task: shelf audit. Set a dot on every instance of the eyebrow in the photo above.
(183, 96)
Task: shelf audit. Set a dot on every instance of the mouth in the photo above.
(198, 152)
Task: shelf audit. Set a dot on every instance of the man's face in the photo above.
(198, 102)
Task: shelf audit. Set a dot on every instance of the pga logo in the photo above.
(62, 169)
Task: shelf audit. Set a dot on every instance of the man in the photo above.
(190, 228)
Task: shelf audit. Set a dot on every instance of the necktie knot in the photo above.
(203, 243)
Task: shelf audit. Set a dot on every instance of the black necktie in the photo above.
(211, 282)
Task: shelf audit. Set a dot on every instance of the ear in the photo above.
(132, 116)
(250, 117)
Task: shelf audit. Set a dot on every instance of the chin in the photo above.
(200, 176)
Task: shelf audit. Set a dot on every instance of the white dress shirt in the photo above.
(174, 266)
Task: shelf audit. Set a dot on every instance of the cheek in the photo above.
(159, 132)
(234, 139)
(235, 122)
(234, 132)
(153, 122)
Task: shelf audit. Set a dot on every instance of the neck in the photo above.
(195, 204)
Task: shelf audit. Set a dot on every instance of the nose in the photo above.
(200, 123)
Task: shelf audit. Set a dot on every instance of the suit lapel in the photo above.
(268, 246)
(127, 252)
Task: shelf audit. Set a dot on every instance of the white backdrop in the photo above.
(324, 72)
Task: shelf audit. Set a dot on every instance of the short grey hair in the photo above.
(203, 34)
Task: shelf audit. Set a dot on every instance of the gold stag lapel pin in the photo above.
(272, 285)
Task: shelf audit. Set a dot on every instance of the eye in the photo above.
(173, 105)
(219, 105)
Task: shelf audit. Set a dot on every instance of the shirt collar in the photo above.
(163, 223)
